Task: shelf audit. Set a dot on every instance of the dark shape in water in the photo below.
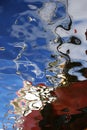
(84, 72)
(73, 97)
(66, 25)
(68, 51)
(86, 34)
(68, 66)
(75, 40)
(63, 122)
(86, 52)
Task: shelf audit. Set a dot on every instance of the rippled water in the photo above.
(43, 42)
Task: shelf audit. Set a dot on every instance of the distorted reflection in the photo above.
(64, 104)
(32, 98)
(42, 106)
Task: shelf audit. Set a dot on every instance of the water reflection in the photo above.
(31, 98)
(47, 108)
(60, 72)
(47, 44)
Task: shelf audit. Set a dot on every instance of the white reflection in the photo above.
(32, 98)
(77, 10)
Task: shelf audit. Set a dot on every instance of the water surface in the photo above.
(44, 42)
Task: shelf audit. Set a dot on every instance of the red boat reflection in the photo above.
(71, 102)
(71, 99)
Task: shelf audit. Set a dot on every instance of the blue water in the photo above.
(25, 52)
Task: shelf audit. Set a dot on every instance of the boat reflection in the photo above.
(63, 107)
(42, 108)
(31, 100)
